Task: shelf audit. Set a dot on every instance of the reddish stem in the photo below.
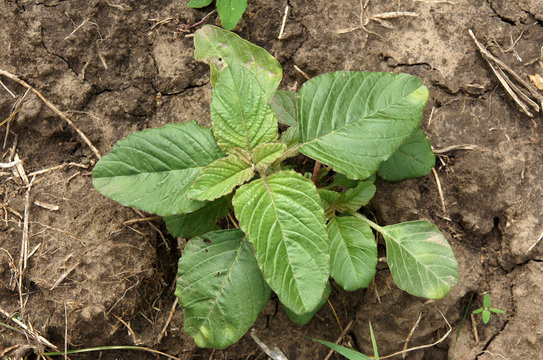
(316, 169)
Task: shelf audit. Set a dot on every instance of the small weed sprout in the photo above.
(230, 11)
(487, 309)
(287, 232)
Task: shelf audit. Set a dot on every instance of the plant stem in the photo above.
(368, 221)
(316, 169)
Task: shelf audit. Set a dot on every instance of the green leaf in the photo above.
(240, 113)
(374, 343)
(220, 177)
(220, 288)
(305, 318)
(345, 351)
(353, 199)
(265, 154)
(230, 12)
(284, 105)
(486, 316)
(486, 301)
(282, 215)
(198, 222)
(354, 121)
(495, 310)
(353, 252)
(328, 198)
(290, 136)
(478, 311)
(198, 3)
(420, 259)
(154, 169)
(221, 48)
(342, 181)
(413, 159)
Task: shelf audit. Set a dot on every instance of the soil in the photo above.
(95, 280)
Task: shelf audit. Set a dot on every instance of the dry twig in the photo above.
(28, 330)
(406, 342)
(54, 108)
(440, 191)
(170, 316)
(440, 340)
(381, 19)
(499, 68)
(283, 23)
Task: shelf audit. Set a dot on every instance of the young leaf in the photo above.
(354, 121)
(220, 288)
(282, 215)
(284, 105)
(353, 252)
(221, 48)
(230, 12)
(154, 169)
(413, 159)
(486, 301)
(420, 259)
(240, 112)
(305, 318)
(197, 4)
(198, 222)
(290, 136)
(353, 199)
(345, 351)
(265, 154)
(220, 177)
(341, 180)
(486, 316)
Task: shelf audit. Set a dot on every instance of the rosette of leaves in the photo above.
(294, 233)
(230, 11)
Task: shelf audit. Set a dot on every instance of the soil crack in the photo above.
(500, 16)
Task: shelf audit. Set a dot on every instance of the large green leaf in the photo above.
(220, 288)
(305, 318)
(198, 222)
(354, 121)
(420, 259)
(198, 3)
(230, 12)
(153, 169)
(220, 177)
(221, 48)
(284, 105)
(353, 252)
(413, 159)
(282, 215)
(240, 112)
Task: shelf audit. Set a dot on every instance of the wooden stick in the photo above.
(54, 108)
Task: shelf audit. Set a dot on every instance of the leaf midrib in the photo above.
(283, 240)
(226, 278)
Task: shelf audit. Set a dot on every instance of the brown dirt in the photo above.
(119, 74)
